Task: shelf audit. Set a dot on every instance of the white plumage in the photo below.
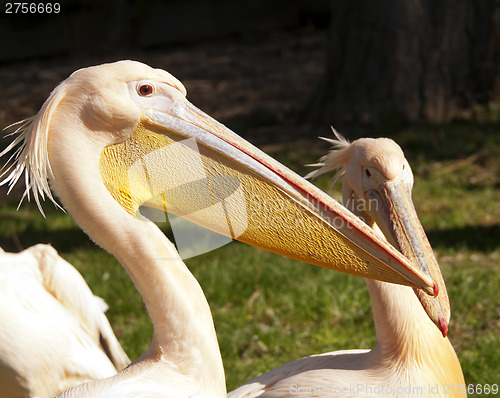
(53, 331)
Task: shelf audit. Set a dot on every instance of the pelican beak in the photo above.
(187, 164)
(392, 209)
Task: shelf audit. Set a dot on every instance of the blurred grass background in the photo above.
(269, 310)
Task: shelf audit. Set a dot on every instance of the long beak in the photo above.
(393, 211)
(190, 165)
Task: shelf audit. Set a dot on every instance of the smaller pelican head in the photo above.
(377, 187)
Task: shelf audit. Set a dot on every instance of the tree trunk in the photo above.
(423, 60)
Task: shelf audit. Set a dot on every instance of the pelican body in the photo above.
(53, 331)
(411, 356)
(114, 139)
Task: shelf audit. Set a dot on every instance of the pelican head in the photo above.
(123, 135)
(377, 187)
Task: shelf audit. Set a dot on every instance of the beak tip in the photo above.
(436, 289)
(443, 326)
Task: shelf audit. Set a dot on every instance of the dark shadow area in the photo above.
(456, 140)
(64, 240)
(476, 238)
(72, 28)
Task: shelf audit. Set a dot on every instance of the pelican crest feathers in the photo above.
(30, 155)
(336, 159)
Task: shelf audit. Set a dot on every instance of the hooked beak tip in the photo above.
(436, 289)
(443, 326)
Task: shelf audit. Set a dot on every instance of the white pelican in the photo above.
(53, 331)
(411, 357)
(115, 137)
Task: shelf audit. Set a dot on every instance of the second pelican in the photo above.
(411, 356)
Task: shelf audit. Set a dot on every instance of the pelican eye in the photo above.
(368, 173)
(145, 90)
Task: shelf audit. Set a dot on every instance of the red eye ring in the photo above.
(145, 90)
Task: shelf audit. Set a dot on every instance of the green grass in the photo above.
(269, 310)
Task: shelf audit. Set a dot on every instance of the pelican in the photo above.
(115, 139)
(411, 356)
(53, 331)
